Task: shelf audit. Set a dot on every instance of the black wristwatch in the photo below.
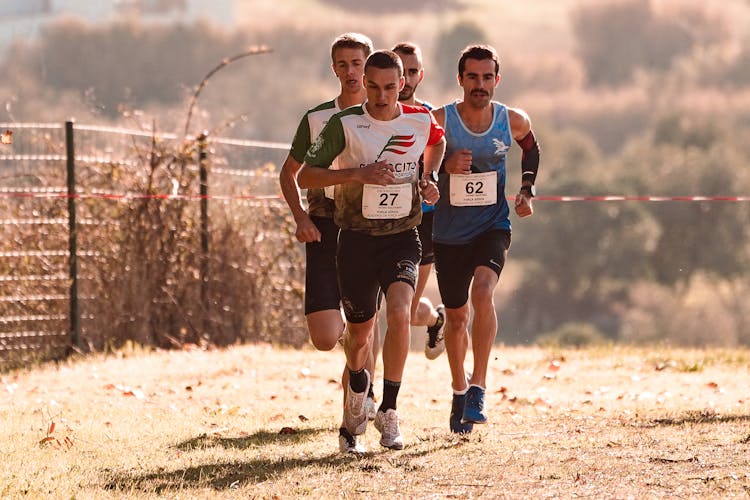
(529, 189)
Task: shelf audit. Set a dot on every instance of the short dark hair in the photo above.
(385, 59)
(480, 53)
(351, 41)
(407, 49)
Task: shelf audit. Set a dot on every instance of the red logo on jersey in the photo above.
(395, 143)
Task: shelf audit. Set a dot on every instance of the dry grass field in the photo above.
(260, 421)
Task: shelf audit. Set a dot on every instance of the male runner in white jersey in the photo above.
(472, 227)
(374, 150)
(423, 313)
(315, 227)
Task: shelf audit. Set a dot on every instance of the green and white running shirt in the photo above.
(307, 130)
(354, 139)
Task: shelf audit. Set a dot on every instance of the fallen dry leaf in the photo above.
(287, 430)
(7, 137)
(303, 418)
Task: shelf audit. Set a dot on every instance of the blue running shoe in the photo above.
(457, 411)
(474, 408)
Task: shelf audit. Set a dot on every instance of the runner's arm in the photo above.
(433, 156)
(380, 173)
(306, 231)
(289, 188)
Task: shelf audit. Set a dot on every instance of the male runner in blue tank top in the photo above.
(423, 313)
(471, 231)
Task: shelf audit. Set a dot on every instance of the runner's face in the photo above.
(349, 66)
(479, 82)
(413, 74)
(383, 87)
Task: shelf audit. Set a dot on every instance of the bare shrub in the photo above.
(147, 280)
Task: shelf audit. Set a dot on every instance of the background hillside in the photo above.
(632, 97)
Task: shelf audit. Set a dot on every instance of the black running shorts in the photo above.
(455, 264)
(367, 263)
(321, 287)
(425, 236)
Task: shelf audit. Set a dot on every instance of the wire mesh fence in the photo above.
(111, 234)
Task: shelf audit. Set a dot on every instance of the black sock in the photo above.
(438, 322)
(358, 380)
(390, 393)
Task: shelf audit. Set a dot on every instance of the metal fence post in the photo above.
(75, 325)
(203, 172)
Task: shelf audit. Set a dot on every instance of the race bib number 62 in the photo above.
(386, 202)
(473, 190)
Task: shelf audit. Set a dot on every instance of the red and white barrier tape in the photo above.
(134, 196)
(642, 198)
(164, 196)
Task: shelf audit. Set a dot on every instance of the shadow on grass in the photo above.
(259, 438)
(698, 417)
(225, 476)
(220, 476)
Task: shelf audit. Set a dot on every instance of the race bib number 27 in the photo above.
(473, 190)
(386, 202)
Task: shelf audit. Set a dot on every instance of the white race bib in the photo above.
(386, 202)
(473, 190)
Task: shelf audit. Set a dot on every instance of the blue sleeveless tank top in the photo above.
(461, 224)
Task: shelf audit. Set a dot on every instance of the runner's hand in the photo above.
(379, 173)
(459, 162)
(429, 191)
(524, 208)
(306, 231)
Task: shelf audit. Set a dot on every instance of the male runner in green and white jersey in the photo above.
(315, 227)
(374, 150)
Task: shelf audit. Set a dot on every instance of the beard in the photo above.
(406, 94)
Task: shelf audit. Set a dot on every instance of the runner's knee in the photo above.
(457, 319)
(482, 294)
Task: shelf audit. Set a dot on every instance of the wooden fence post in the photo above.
(75, 324)
(203, 172)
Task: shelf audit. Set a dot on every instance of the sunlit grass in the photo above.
(259, 421)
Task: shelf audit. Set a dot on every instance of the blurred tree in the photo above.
(129, 65)
(394, 5)
(448, 48)
(616, 38)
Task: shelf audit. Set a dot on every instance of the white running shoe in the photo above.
(349, 444)
(390, 433)
(370, 408)
(435, 344)
(355, 413)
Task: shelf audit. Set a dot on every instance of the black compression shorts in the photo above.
(367, 263)
(321, 286)
(455, 264)
(425, 236)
